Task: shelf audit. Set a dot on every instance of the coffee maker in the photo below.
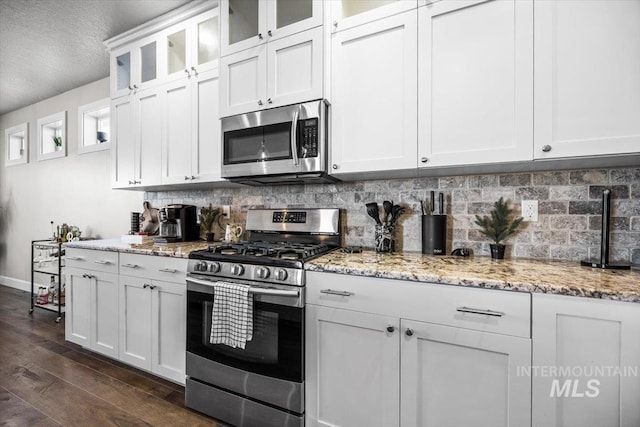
(178, 223)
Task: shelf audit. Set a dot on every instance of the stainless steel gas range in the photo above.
(261, 385)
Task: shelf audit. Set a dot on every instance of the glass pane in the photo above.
(208, 42)
(123, 67)
(272, 142)
(15, 145)
(243, 20)
(291, 11)
(148, 62)
(51, 137)
(355, 7)
(96, 127)
(177, 53)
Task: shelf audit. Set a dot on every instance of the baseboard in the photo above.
(23, 285)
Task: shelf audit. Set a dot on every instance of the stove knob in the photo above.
(201, 266)
(262, 272)
(281, 274)
(214, 267)
(237, 270)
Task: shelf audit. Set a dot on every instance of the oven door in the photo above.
(277, 348)
(284, 140)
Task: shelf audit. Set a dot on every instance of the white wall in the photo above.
(75, 189)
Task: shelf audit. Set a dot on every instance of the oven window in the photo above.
(264, 143)
(276, 349)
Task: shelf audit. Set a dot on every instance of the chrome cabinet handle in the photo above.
(130, 87)
(480, 311)
(186, 178)
(332, 292)
(167, 270)
(74, 258)
(195, 72)
(294, 136)
(135, 87)
(145, 286)
(269, 33)
(88, 276)
(546, 148)
(269, 101)
(259, 101)
(192, 177)
(102, 262)
(152, 287)
(424, 160)
(131, 182)
(335, 24)
(408, 332)
(334, 166)
(260, 36)
(131, 265)
(391, 329)
(188, 73)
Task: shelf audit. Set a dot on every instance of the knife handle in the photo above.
(441, 202)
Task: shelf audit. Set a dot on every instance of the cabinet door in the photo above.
(207, 148)
(243, 25)
(351, 13)
(168, 329)
(177, 51)
(104, 313)
(587, 78)
(374, 86)
(459, 377)
(121, 71)
(122, 143)
(295, 67)
(78, 307)
(475, 71)
(243, 81)
(146, 64)
(206, 41)
(135, 321)
(286, 17)
(352, 376)
(149, 137)
(176, 147)
(590, 338)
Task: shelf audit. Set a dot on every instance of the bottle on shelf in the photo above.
(42, 296)
(53, 291)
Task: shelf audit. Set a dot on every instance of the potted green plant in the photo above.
(499, 226)
(57, 140)
(208, 216)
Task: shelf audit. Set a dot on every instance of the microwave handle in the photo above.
(294, 136)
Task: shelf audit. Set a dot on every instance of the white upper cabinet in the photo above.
(350, 13)
(587, 78)
(134, 67)
(249, 23)
(475, 79)
(191, 47)
(374, 96)
(281, 72)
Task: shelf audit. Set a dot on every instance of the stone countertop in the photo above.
(176, 250)
(525, 275)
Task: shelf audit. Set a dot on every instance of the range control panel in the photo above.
(294, 217)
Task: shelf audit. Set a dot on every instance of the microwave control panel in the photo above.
(308, 137)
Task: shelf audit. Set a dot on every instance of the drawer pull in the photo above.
(391, 329)
(102, 262)
(131, 265)
(167, 270)
(480, 311)
(332, 292)
(74, 258)
(88, 276)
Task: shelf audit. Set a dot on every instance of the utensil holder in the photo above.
(135, 222)
(434, 234)
(384, 240)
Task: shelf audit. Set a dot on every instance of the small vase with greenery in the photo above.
(499, 226)
(208, 216)
(57, 140)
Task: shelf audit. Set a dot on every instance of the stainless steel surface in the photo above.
(236, 410)
(292, 276)
(130, 265)
(258, 170)
(274, 391)
(101, 262)
(332, 292)
(167, 270)
(480, 311)
(323, 221)
(294, 136)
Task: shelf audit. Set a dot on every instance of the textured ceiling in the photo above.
(48, 47)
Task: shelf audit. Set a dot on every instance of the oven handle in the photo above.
(294, 136)
(256, 290)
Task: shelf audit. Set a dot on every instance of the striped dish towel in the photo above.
(232, 315)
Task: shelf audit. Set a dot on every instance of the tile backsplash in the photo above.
(569, 208)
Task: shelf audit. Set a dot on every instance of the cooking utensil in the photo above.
(432, 202)
(441, 203)
(373, 212)
(388, 206)
(396, 211)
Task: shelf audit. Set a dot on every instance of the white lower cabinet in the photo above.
(459, 377)
(152, 326)
(92, 310)
(586, 356)
(442, 369)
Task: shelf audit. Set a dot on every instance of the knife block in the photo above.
(434, 234)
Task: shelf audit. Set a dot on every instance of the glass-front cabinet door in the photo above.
(134, 67)
(350, 13)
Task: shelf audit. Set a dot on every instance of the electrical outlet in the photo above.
(530, 210)
(226, 211)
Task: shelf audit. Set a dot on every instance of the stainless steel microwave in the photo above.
(283, 145)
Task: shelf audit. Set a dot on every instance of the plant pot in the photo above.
(209, 237)
(497, 251)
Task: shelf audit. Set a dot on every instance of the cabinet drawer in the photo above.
(154, 267)
(501, 312)
(90, 259)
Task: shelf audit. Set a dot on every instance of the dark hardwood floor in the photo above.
(46, 381)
